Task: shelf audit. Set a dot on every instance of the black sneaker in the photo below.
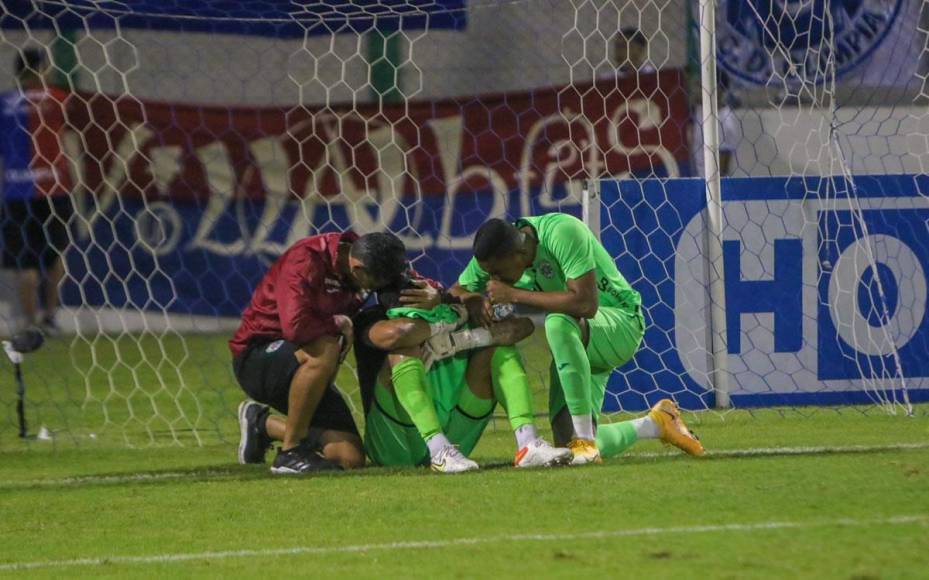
(253, 440)
(299, 460)
(49, 327)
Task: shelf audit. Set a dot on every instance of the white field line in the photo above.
(914, 519)
(219, 474)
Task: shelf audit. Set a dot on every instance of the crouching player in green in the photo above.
(424, 409)
(594, 324)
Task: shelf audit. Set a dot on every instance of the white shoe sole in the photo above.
(583, 461)
(243, 430)
(555, 461)
(438, 470)
(285, 471)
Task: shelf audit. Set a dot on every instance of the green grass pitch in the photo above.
(799, 493)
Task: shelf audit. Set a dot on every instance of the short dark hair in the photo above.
(495, 239)
(633, 36)
(29, 60)
(383, 256)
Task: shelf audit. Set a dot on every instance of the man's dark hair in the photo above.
(634, 36)
(29, 60)
(383, 256)
(495, 239)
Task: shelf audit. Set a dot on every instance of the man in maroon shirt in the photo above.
(294, 334)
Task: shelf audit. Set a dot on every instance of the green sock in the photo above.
(474, 406)
(409, 378)
(511, 386)
(614, 438)
(571, 362)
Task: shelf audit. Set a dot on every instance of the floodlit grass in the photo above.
(780, 514)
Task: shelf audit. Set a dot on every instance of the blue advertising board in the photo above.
(825, 289)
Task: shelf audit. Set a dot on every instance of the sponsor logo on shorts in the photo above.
(274, 346)
(761, 39)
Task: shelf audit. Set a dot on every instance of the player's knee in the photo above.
(345, 450)
(558, 326)
(391, 336)
(326, 362)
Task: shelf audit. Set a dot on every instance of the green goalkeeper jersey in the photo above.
(567, 250)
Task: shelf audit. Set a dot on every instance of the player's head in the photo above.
(377, 260)
(29, 65)
(501, 250)
(630, 48)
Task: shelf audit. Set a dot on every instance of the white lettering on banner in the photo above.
(901, 324)
(158, 228)
(757, 225)
(367, 210)
(165, 164)
(448, 132)
(372, 199)
(222, 183)
(271, 160)
(565, 153)
(113, 181)
(647, 116)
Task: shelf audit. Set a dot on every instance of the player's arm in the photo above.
(426, 293)
(579, 300)
(398, 333)
(469, 287)
(571, 245)
(301, 323)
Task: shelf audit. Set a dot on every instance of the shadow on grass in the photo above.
(235, 472)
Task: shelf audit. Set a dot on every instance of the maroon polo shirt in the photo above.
(300, 295)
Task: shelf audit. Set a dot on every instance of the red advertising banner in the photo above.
(525, 141)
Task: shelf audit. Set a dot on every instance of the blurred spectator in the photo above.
(36, 202)
(630, 52)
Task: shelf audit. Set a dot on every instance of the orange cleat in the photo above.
(673, 431)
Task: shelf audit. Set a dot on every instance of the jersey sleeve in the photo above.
(294, 290)
(570, 243)
(473, 278)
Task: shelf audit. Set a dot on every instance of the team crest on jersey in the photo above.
(545, 268)
(274, 346)
(788, 39)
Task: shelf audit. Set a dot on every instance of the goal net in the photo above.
(196, 143)
(800, 278)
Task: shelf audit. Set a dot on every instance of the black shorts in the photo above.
(264, 371)
(35, 231)
(368, 358)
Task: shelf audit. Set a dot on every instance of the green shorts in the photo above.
(391, 438)
(615, 335)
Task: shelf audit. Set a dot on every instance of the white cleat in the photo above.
(450, 460)
(540, 454)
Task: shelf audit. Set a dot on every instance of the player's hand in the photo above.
(480, 310)
(423, 296)
(500, 292)
(347, 330)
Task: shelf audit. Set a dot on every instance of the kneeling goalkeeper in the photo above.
(425, 408)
